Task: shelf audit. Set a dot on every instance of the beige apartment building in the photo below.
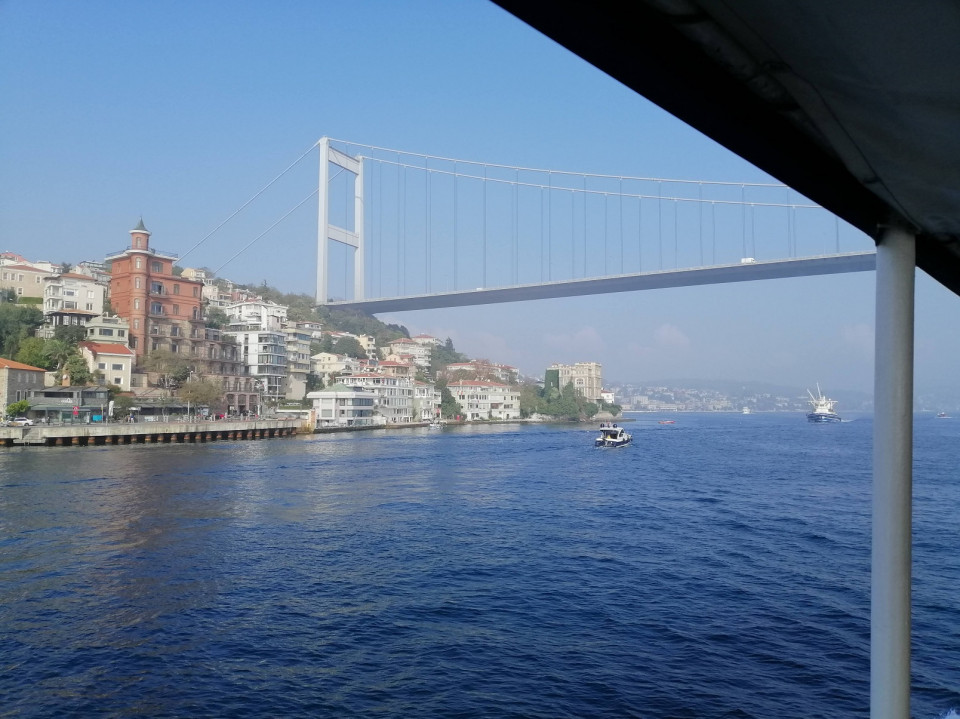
(587, 378)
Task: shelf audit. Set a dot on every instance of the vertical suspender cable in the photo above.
(660, 220)
(743, 223)
(605, 220)
(573, 241)
(700, 219)
(484, 284)
(402, 250)
(549, 225)
(456, 224)
(428, 190)
(621, 225)
(585, 253)
(640, 231)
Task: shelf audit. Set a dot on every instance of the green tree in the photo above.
(8, 295)
(325, 344)
(351, 347)
(58, 352)
(18, 408)
(32, 352)
(203, 392)
(314, 382)
(122, 405)
(171, 367)
(440, 357)
(76, 368)
(16, 323)
(449, 407)
(74, 334)
(216, 318)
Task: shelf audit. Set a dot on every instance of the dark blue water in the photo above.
(718, 567)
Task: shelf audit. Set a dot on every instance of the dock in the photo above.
(171, 432)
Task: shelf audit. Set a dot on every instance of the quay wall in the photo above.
(146, 433)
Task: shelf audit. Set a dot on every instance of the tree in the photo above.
(18, 408)
(314, 382)
(58, 351)
(16, 323)
(202, 392)
(351, 347)
(73, 334)
(76, 368)
(32, 352)
(8, 295)
(216, 318)
(449, 407)
(121, 406)
(172, 368)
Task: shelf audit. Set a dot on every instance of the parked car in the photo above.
(21, 422)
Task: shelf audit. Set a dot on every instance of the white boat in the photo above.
(822, 408)
(436, 424)
(612, 436)
(745, 410)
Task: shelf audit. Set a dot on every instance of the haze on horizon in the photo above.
(179, 114)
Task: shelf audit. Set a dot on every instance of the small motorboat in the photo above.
(667, 421)
(612, 436)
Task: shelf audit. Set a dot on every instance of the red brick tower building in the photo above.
(164, 310)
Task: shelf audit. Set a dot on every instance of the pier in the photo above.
(84, 435)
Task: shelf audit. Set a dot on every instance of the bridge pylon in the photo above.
(327, 231)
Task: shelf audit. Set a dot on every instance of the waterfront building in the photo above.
(586, 377)
(299, 336)
(426, 401)
(164, 310)
(69, 404)
(397, 369)
(16, 381)
(427, 340)
(482, 399)
(342, 405)
(114, 362)
(394, 394)
(607, 396)
(257, 328)
(369, 344)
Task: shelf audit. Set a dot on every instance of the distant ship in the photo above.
(943, 415)
(822, 408)
(745, 410)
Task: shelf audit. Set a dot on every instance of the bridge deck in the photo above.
(741, 272)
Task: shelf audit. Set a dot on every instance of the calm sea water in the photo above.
(718, 567)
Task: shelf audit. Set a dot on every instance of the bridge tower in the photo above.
(326, 231)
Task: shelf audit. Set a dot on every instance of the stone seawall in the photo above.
(145, 433)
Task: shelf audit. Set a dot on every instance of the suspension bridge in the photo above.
(398, 230)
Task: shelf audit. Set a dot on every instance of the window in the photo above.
(156, 288)
(106, 332)
(156, 308)
(101, 365)
(136, 326)
(176, 309)
(89, 294)
(195, 292)
(176, 289)
(118, 380)
(156, 267)
(138, 263)
(136, 282)
(123, 333)
(116, 367)
(133, 341)
(136, 304)
(136, 243)
(90, 306)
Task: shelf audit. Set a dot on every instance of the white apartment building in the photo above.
(426, 401)
(587, 378)
(486, 400)
(114, 362)
(257, 328)
(299, 335)
(345, 406)
(394, 395)
(71, 292)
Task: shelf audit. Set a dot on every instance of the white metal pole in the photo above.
(892, 477)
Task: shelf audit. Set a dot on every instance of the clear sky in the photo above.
(180, 111)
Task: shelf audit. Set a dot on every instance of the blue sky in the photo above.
(181, 111)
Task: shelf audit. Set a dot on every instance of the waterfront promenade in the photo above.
(171, 432)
